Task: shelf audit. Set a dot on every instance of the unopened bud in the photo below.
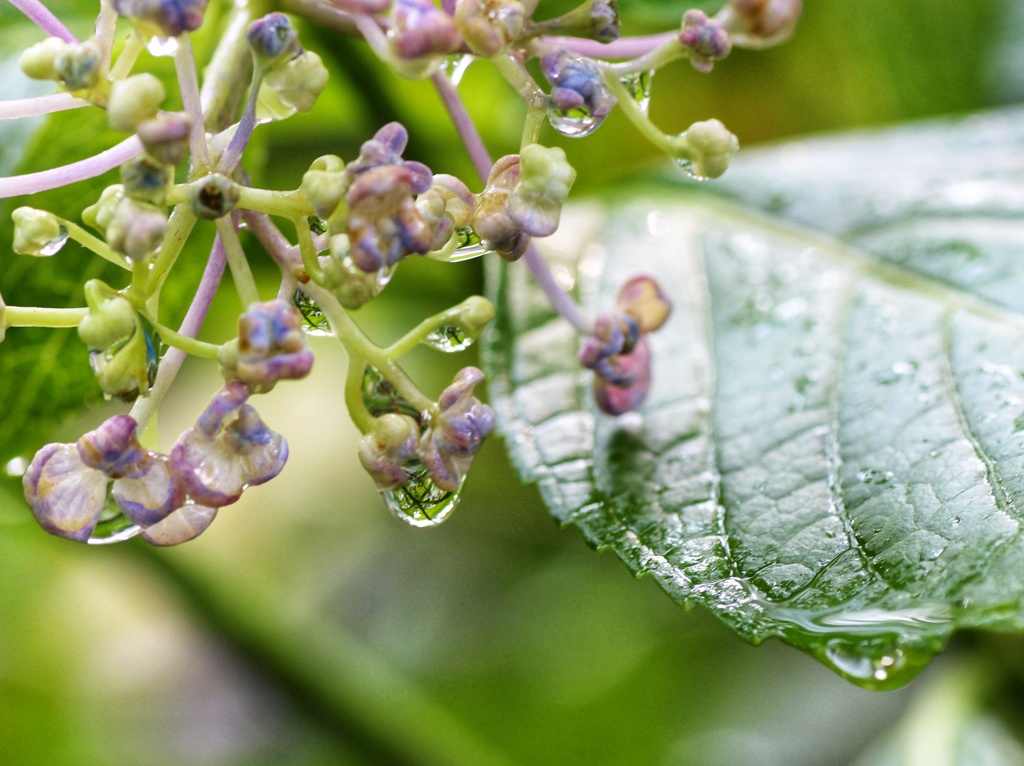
(706, 148)
(297, 83)
(78, 65)
(165, 137)
(545, 180)
(39, 61)
(325, 184)
(137, 229)
(146, 179)
(99, 214)
(133, 100)
(37, 232)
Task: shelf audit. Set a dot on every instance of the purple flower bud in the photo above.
(612, 336)
(576, 83)
(66, 496)
(216, 460)
(635, 367)
(165, 137)
(446, 206)
(492, 222)
(385, 148)
(184, 524)
(167, 18)
(456, 432)
(78, 65)
(271, 346)
(388, 448)
(151, 493)
(419, 28)
(384, 225)
(596, 19)
(113, 449)
(136, 229)
(642, 298)
(273, 39)
(705, 39)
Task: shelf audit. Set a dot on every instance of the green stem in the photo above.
(310, 258)
(290, 204)
(418, 334)
(360, 347)
(632, 110)
(33, 316)
(179, 227)
(189, 345)
(665, 53)
(357, 411)
(133, 46)
(241, 274)
(95, 244)
(520, 79)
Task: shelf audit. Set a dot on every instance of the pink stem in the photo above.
(32, 107)
(31, 183)
(467, 131)
(44, 19)
(623, 48)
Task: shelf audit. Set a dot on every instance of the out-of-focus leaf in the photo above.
(832, 449)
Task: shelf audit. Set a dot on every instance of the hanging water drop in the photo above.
(470, 245)
(380, 397)
(113, 526)
(55, 244)
(454, 67)
(574, 123)
(162, 46)
(639, 87)
(16, 467)
(420, 502)
(687, 167)
(314, 320)
(449, 339)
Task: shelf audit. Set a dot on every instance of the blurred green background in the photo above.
(309, 627)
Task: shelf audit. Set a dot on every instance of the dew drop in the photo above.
(470, 245)
(420, 502)
(454, 67)
(687, 167)
(639, 87)
(314, 320)
(16, 467)
(113, 526)
(574, 123)
(162, 46)
(449, 339)
(380, 396)
(55, 244)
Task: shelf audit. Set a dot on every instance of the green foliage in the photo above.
(831, 452)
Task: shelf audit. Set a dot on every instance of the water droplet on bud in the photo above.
(55, 244)
(639, 87)
(469, 246)
(687, 167)
(420, 502)
(380, 396)
(449, 339)
(314, 320)
(574, 123)
(113, 526)
(162, 46)
(454, 67)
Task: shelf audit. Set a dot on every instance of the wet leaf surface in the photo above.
(832, 449)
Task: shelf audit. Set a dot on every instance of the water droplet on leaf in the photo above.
(420, 502)
(314, 320)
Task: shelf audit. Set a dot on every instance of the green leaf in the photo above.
(832, 448)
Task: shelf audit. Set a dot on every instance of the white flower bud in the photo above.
(39, 61)
(133, 100)
(37, 232)
(706, 149)
(298, 83)
(325, 184)
(101, 213)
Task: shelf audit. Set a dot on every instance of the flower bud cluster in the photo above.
(617, 349)
(170, 498)
(443, 440)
